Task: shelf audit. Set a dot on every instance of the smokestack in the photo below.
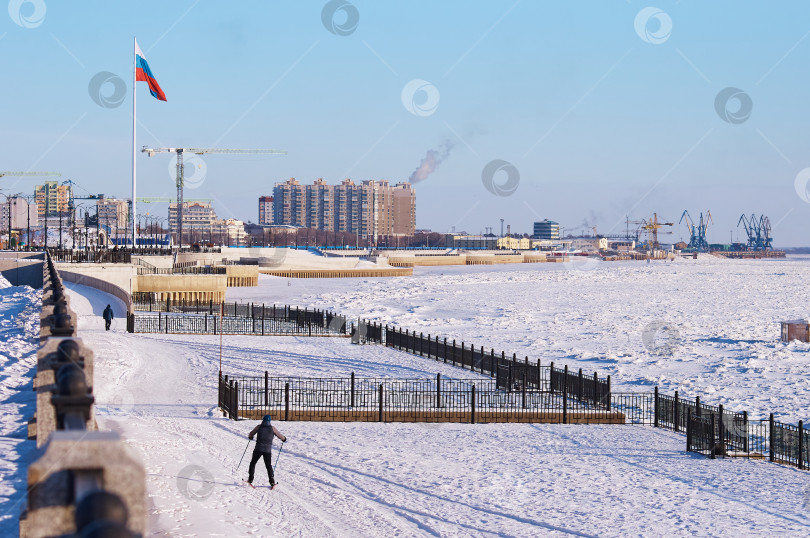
(431, 161)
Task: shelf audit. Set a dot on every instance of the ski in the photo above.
(249, 484)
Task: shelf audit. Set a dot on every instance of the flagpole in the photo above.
(134, 151)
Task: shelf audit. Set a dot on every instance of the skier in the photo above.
(108, 317)
(264, 432)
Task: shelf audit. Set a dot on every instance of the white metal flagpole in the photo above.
(134, 93)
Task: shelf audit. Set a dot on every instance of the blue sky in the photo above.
(599, 120)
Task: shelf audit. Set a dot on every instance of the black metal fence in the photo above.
(438, 399)
(295, 323)
(101, 255)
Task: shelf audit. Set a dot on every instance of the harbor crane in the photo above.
(758, 231)
(200, 151)
(697, 232)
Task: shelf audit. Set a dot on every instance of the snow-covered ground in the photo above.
(353, 479)
(707, 327)
(19, 338)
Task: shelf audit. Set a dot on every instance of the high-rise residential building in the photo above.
(198, 220)
(371, 209)
(53, 199)
(112, 212)
(265, 210)
(23, 213)
(547, 229)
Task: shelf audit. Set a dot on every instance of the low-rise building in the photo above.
(514, 243)
(477, 242)
(589, 244)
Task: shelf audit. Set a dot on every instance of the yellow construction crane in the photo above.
(200, 151)
(652, 227)
(29, 174)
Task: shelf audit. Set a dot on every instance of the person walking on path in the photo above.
(264, 432)
(108, 317)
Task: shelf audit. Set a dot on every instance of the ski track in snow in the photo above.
(19, 339)
(370, 479)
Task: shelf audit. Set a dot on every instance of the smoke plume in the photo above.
(433, 158)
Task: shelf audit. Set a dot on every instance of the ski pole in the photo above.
(243, 454)
(278, 456)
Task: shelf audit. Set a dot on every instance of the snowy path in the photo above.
(19, 338)
(404, 479)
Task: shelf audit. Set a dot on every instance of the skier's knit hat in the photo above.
(267, 418)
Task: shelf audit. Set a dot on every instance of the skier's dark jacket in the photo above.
(264, 436)
(108, 313)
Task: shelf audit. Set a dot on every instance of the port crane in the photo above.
(200, 151)
(758, 231)
(697, 232)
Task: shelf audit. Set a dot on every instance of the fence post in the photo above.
(565, 379)
(720, 429)
(236, 401)
(607, 399)
(266, 391)
(524, 388)
(286, 401)
(770, 437)
(595, 386)
(801, 444)
(655, 411)
(697, 405)
(688, 433)
(565, 403)
(421, 340)
(745, 436)
(381, 401)
(539, 375)
(509, 379)
(351, 397)
(676, 411)
(472, 404)
(713, 442)
(454, 352)
(581, 388)
(438, 390)
(206, 322)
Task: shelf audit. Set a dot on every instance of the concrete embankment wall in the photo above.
(22, 268)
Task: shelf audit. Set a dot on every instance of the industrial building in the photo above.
(369, 210)
(547, 229)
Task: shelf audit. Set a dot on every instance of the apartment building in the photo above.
(370, 209)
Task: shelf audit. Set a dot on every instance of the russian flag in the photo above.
(142, 72)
